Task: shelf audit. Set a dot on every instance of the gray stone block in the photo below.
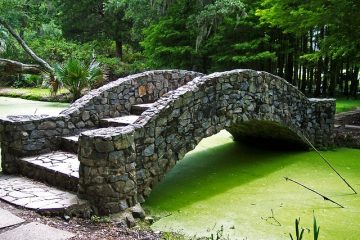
(36, 231)
(8, 219)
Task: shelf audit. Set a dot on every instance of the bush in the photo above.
(27, 81)
(75, 76)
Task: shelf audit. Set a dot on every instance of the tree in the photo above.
(180, 38)
(86, 20)
(12, 8)
(331, 29)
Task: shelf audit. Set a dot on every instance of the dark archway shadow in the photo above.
(206, 173)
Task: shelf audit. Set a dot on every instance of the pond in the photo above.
(224, 184)
(17, 106)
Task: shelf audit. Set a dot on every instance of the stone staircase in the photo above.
(60, 169)
(347, 129)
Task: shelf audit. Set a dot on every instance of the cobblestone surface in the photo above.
(60, 169)
(21, 191)
(59, 161)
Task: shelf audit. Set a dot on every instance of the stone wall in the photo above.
(30, 135)
(347, 129)
(119, 166)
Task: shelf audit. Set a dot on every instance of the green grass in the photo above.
(224, 183)
(344, 105)
(40, 94)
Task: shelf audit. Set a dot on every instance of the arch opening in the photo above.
(267, 134)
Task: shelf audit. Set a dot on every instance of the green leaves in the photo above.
(3, 40)
(316, 229)
(299, 232)
(75, 76)
(213, 14)
(339, 18)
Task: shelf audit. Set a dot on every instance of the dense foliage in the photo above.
(75, 76)
(312, 44)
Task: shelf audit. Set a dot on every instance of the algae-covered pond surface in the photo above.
(223, 183)
(17, 106)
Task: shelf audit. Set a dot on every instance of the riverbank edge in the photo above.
(28, 95)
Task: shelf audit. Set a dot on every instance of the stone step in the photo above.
(70, 143)
(27, 193)
(118, 121)
(138, 109)
(59, 169)
(352, 127)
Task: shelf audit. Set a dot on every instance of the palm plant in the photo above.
(75, 76)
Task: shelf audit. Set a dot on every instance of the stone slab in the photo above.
(119, 121)
(58, 161)
(70, 143)
(58, 168)
(8, 219)
(74, 138)
(36, 231)
(24, 192)
(138, 109)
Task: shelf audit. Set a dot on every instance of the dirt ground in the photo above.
(84, 228)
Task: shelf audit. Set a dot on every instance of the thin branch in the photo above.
(312, 190)
(328, 163)
(277, 223)
(27, 49)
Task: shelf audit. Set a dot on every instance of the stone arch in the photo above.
(229, 100)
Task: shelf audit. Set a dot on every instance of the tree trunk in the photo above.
(119, 49)
(333, 71)
(303, 79)
(289, 71)
(354, 82)
(13, 67)
(318, 72)
(311, 80)
(346, 80)
(326, 76)
(27, 49)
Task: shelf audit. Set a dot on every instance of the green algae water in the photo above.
(17, 106)
(224, 184)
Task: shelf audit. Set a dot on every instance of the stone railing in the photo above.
(30, 135)
(119, 166)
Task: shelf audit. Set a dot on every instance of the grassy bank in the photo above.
(39, 94)
(344, 105)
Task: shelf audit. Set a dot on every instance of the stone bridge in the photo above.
(115, 143)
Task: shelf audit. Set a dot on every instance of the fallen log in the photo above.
(11, 67)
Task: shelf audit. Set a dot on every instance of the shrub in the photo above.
(75, 76)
